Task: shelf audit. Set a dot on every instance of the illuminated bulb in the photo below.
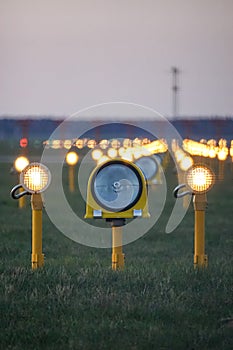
(205, 152)
(20, 163)
(212, 153)
(67, 144)
(115, 143)
(79, 143)
(223, 153)
(96, 154)
(112, 152)
(35, 178)
(137, 142)
(71, 158)
(200, 178)
(211, 142)
(127, 143)
(56, 144)
(91, 143)
(203, 141)
(121, 151)
(104, 144)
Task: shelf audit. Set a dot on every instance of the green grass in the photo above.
(158, 302)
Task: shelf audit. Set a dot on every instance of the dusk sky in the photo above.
(59, 56)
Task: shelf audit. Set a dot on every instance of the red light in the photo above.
(23, 142)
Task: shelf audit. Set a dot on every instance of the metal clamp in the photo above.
(15, 195)
(182, 194)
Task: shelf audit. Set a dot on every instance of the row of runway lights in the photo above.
(206, 148)
(35, 178)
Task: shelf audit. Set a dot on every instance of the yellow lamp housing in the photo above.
(20, 163)
(35, 178)
(117, 190)
(200, 178)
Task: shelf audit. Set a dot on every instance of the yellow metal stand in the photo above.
(22, 200)
(37, 206)
(118, 258)
(200, 203)
(71, 178)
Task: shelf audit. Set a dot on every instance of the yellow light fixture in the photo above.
(56, 144)
(21, 163)
(79, 143)
(112, 152)
(104, 144)
(127, 143)
(35, 178)
(212, 152)
(71, 158)
(121, 151)
(67, 144)
(200, 178)
(115, 143)
(96, 154)
(223, 153)
(91, 143)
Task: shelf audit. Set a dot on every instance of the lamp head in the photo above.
(71, 158)
(116, 189)
(20, 163)
(35, 178)
(200, 178)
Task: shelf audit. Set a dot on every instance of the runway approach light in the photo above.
(35, 178)
(20, 163)
(116, 191)
(96, 154)
(71, 158)
(199, 179)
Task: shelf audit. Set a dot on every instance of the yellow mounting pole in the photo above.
(117, 255)
(200, 203)
(37, 206)
(71, 178)
(22, 200)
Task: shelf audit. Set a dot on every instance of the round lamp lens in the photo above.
(71, 158)
(200, 178)
(96, 154)
(117, 186)
(35, 178)
(21, 163)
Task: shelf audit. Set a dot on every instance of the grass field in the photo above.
(158, 302)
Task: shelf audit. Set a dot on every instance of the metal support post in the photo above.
(37, 206)
(200, 204)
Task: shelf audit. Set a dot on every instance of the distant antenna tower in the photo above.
(175, 88)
